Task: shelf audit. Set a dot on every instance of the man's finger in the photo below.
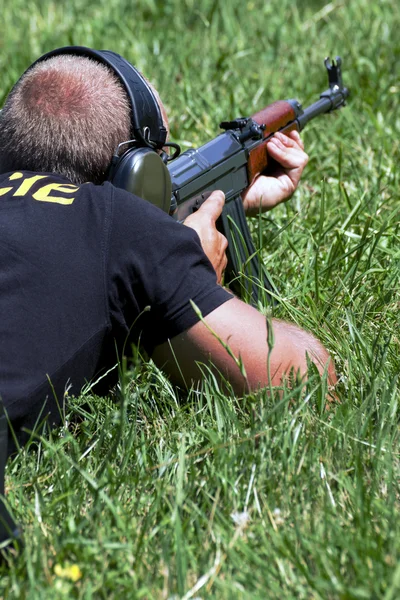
(296, 137)
(289, 158)
(214, 205)
(289, 140)
(224, 242)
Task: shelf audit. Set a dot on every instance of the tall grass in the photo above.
(202, 494)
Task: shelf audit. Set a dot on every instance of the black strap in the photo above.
(8, 529)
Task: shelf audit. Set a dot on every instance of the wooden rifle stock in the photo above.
(278, 116)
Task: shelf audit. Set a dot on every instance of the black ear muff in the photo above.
(142, 172)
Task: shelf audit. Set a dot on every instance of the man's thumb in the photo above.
(214, 205)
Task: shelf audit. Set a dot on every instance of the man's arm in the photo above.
(237, 324)
(244, 330)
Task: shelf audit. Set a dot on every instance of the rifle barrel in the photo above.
(329, 101)
(317, 108)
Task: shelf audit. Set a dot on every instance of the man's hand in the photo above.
(213, 242)
(268, 191)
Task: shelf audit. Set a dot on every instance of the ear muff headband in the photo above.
(140, 170)
(146, 120)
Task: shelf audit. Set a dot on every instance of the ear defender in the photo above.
(140, 170)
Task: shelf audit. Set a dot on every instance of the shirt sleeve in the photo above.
(156, 266)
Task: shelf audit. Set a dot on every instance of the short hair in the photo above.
(66, 115)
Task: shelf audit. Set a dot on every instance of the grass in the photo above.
(202, 494)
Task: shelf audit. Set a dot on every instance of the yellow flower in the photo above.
(71, 572)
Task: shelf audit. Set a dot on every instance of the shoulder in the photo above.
(139, 220)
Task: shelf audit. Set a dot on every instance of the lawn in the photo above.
(174, 494)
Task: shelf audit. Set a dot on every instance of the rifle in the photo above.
(230, 162)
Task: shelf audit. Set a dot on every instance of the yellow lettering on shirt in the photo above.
(4, 191)
(43, 194)
(26, 184)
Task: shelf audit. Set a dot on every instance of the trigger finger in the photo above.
(217, 196)
(214, 204)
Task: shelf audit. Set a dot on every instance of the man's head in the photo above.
(66, 115)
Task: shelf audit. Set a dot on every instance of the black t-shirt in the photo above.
(85, 270)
